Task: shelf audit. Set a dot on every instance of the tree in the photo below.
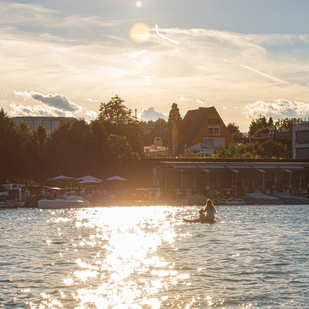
(120, 155)
(117, 119)
(9, 149)
(234, 130)
(273, 149)
(173, 116)
(259, 123)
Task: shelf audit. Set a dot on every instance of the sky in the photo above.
(247, 58)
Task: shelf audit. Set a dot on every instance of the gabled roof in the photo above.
(193, 123)
(183, 125)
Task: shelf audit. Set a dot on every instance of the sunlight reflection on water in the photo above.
(147, 257)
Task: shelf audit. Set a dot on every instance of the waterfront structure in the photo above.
(237, 176)
(49, 123)
(200, 126)
(301, 140)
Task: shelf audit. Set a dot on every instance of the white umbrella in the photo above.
(89, 179)
(117, 178)
(61, 177)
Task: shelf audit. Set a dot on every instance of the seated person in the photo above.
(210, 210)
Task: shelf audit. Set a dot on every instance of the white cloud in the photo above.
(151, 114)
(38, 110)
(90, 100)
(54, 100)
(201, 102)
(92, 114)
(278, 109)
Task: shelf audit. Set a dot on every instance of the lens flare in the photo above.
(140, 33)
(139, 4)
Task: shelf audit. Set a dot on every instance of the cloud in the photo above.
(151, 114)
(38, 110)
(54, 52)
(90, 100)
(92, 114)
(54, 100)
(201, 102)
(278, 109)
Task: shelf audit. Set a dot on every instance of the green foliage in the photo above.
(259, 123)
(250, 150)
(234, 130)
(114, 113)
(261, 130)
(9, 149)
(120, 153)
(273, 149)
(220, 152)
(117, 119)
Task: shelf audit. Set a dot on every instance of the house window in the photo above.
(174, 149)
(213, 130)
(174, 134)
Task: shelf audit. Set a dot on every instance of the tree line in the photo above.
(111, 144)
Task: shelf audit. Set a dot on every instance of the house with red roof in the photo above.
(201, 129)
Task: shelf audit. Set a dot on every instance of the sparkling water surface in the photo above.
(147, 257)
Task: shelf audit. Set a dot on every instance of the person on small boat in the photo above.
(210, 211)
(202, 214)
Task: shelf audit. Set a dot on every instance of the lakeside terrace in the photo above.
(232, 177)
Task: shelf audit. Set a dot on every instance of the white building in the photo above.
(49, 123)
(300, 140)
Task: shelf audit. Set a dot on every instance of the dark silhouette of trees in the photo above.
(9, 149)
(173, 116)
(116, 118)
(234, 130)
(260, 125)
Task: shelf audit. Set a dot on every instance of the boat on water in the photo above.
(7, 205)
(234, 201)
(229, 201)
(68, 202)
(200, 220)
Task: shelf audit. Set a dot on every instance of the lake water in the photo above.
(147, 257)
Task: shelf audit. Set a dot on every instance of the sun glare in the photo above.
(140, 33)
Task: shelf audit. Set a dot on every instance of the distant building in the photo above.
(199, 127)
(301, 140)
(157, 149)
(49, 123)
(284, 137)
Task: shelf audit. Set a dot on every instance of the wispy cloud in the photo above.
(92, 101)
(164, 37)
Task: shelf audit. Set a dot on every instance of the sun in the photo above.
(140, 33)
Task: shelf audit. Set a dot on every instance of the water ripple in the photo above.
(147, 257)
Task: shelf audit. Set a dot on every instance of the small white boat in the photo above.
(68, 202)
(234, 201)
(6, 205)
